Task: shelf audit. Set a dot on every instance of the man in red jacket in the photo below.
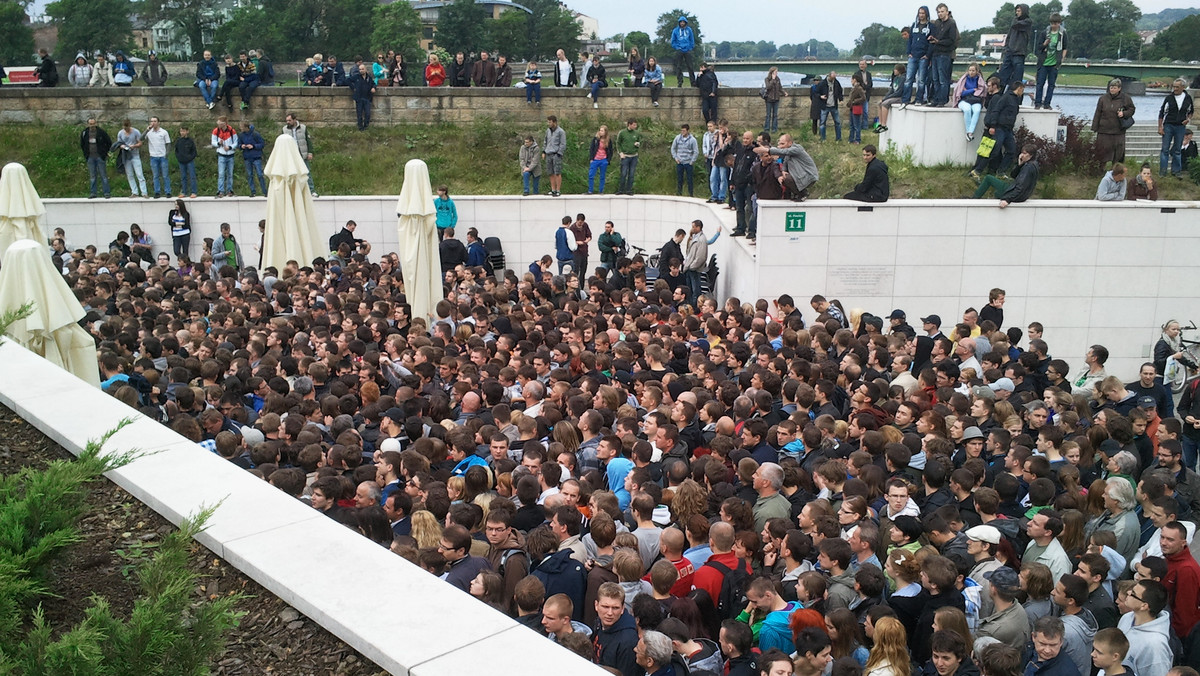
(710, 576)
(1182, 580)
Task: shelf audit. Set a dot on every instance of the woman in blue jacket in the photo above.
(918, 57)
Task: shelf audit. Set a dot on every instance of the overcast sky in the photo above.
(795, 21)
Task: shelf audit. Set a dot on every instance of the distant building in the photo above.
(429, 10)
(589, 28)
(166, 38)
(1147, 36)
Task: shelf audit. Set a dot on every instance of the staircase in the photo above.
(1143, 142)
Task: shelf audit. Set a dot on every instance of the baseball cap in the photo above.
(396, 414)
(983, 392)
(1147, 402)
(897, 314)
(252, 437)
(319, 304)
(988, 534)
(1003, 384)
(932, 319)
(1003, 578)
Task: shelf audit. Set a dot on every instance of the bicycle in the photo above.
(1189, 363)
(651, 260)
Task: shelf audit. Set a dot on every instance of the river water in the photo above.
(1074, 101)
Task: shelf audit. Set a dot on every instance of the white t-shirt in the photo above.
(157, 140)
(564, 70)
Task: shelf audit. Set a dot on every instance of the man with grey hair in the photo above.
(799, 169)
(768, 481)
(1118, 516)
(653, 652)
(367, 494)
(304, 387)
(533, 394)
(1173, 118)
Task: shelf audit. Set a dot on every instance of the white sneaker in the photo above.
(210, 105)
(315, 195)
(595, 105)
(656, 104)
(589, 95)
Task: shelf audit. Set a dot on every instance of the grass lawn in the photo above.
(481, 159)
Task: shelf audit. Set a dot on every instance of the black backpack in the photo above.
(732, 598)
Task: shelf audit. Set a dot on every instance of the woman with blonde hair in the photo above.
(425, 529)
(567, 434)
(952, 619)
(889, 657)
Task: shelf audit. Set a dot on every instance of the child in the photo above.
(1188, 150)
(893, 96)
(1109, 648)
(447, 215)
(533, 83)
(185, 154)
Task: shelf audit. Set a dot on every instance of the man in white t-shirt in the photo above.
(158, 139)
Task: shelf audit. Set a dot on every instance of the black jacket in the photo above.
(452, 253)
(744, 160)
(610, 148)
(1019, 34)
(946, 33)
(185, 150)
(598, 74)
(572, 77)
(875, 182)
(1172, 113)
(47, 72)
(362, 88)
(1002, 111)
(459, 75)
(823, 88)
(103, 143)
(669, 250)
(1026, 176)
(614, 645)
(707, 82)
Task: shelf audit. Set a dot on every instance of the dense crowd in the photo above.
(670, 484)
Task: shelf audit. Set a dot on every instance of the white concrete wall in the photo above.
(1108, 274)
(937, 135)
(525, 225)
(405, 620)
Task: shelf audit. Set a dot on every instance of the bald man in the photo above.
(671, 543)
(470, 408)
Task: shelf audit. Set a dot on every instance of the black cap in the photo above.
(897, 314)
(396, 414)
(932, 319)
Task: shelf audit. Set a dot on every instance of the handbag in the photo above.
(856, 109)
(986, 144)
(762, 92)
(1126, 122)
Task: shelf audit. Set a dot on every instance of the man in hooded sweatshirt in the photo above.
(834, 557)
(1148, 629)
(616, 635)
(774, 631)
(1016, 47)
(683, 41)
(1079, 625)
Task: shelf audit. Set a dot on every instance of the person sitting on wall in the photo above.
(874, 186)
(1025, 176)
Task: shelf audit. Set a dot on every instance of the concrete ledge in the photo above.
(938, 135)
(406, 621)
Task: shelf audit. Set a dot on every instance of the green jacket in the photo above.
(606, 242)
(628, 140)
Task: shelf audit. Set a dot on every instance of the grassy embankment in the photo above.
(481, 158)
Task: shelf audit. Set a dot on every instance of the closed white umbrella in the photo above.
(52, 331)
(291, 232)
(420, 263)
(21, 209)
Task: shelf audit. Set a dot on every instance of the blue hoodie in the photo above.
(775, 632)
(254, 139)
(615, 645)
(123, 70)
(616, 471)
(918, 37)
(682, 38)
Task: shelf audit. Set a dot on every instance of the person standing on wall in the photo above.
(1050, 55)
(1016, 46)
(362, 90)
(129, 142)
(1113, 116)
(683, 41)
(684, 151)
(629, 143)
(695, 260)
(1173, 118)
(158, 139)
(552, 153)
(943, 40)
(297, 130)
(95, 144)
(185, 155)
(708, 84)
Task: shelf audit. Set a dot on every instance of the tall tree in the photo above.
(253, 26)
(460, 26)
(88, 25)
(551, 27)
(1178, 41)
(667, 21)
(397, 26)
(1102, 29)
(16, 37)
(345, 27)
(509, 34)
(878, 39)
(640, 40)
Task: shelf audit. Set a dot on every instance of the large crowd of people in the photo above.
(668, 483)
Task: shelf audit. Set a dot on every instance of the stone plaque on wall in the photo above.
(859, 280)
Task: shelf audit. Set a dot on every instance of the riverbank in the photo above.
(481, 159)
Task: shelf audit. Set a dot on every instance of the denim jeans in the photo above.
(1046, 76)
(247, 90)
(527, 177)
(160, 169)
(1006, 140)
(856, 125)
(708, 108)
(682, 170)
(98, 169)
(918, 72)
(681, 59)
(1172, 146)
(1189, 452)
(837, 122)
(718, 182)
(692, 277)
(941, 64)
(187, 178)
(772, 121)
(1012, 69)
(208, 91)
(224, 174)
(596, 86)
(741, 201)
(597, 166)
(628, 169)
(971, 113)
(254, 168)
(362, 110)
(533, 90)
(655, 89)
(180, 244)
(133, 174)
(308, 166)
